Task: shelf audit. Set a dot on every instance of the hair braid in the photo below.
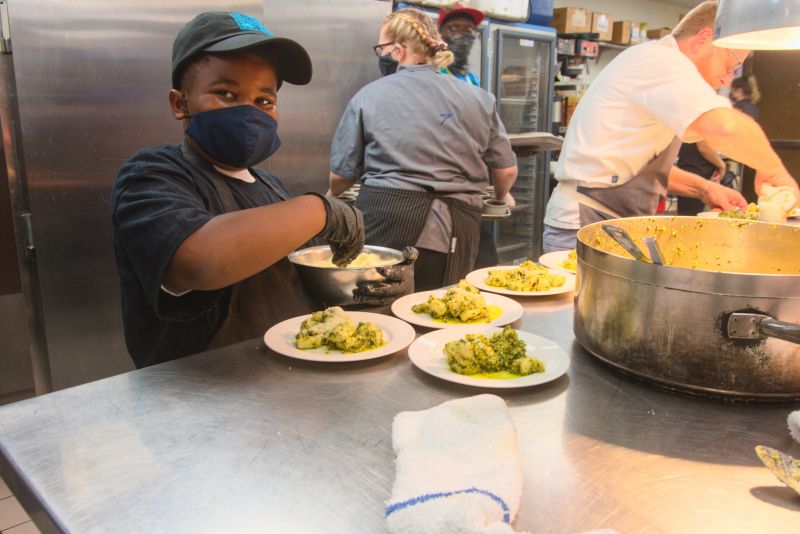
(414, 29)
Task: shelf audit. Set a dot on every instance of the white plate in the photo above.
(715, 214)
(554, 260)
(398, 335)
(708, 214)
(478, 279)
(427, 353)
(512, 310)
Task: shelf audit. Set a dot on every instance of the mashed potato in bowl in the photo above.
(362, 261)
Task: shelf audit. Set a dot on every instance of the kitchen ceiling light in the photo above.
(758, 24)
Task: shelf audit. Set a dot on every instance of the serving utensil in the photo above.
(783, 466)
(625, 241)
(655, 251)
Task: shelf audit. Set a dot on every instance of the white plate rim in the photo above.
(794, 214)
(427, 354)
(279, 338)
(478, 279)
(553, 260)
(512, 310)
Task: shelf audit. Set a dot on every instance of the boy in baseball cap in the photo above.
(201, 234)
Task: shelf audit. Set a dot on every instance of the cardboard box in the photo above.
(602, 25)
(572, 20)
(658, 33)
(622, 32)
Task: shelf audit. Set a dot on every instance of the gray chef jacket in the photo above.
(422, 130)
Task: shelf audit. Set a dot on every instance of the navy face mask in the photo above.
(387, 64)
(239, 136)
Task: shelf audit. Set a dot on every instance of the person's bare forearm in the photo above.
(739, 137)
(686, 184)
(502, 180)
(710, 155)
(717, 196)
(235, 245)
(338, 185)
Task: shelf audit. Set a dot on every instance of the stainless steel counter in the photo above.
(241, 439)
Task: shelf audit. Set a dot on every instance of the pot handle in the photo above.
(754, 325)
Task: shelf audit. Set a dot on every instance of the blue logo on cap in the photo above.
(248, 23)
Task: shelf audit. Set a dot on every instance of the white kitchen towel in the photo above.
(458, 469)
(793, 421)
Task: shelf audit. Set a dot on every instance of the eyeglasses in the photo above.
(378, 48)
(739, 62)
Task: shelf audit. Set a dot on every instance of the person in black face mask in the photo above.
(458, 26)
(201, 234)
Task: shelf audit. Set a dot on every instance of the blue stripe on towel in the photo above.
(392, 508)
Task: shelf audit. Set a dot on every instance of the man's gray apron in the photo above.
(395, 218)
(264, 299)
(638, 196)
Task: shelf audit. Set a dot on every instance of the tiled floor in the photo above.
(13, 519)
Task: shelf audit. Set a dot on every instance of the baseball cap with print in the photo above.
(223, 31)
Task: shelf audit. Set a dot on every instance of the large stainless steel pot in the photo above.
(674, 324)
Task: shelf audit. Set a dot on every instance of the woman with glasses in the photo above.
(423, 145)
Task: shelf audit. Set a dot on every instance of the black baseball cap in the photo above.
(224, 31)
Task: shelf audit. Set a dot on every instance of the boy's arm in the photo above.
(233, 246)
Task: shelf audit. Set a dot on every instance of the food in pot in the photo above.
(362, 261)
(500, 356)
(751, 213)
(461, 303)
(333, 329)
(527, 277)
(571, 263)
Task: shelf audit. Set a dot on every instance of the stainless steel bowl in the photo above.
(333, 286)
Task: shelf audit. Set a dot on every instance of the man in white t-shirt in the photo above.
(618, 154)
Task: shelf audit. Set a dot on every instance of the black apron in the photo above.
(264, 299)
(638, 196)
(395, 218)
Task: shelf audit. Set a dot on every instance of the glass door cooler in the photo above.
(522, 60)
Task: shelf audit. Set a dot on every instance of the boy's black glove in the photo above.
(398, 280)
(344, 230)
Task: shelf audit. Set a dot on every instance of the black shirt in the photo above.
(159, 198)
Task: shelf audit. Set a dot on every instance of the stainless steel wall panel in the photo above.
(339, 37)
(93, 79)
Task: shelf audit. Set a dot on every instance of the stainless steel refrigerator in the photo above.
(521, 59)
(84, 86)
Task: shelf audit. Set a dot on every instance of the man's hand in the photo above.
(719, 173)
(398, 280)
(509, 200)
(723, 198)
(344, 230)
